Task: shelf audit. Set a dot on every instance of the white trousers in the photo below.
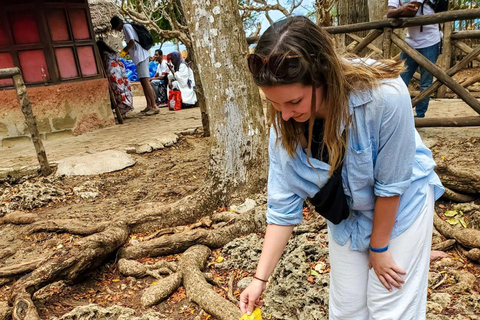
(357, 294)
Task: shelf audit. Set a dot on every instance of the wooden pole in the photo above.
(408, 22)
(387, 43)
(468, 34)
(372, 35)
(9, 72)
(31, 122)
(470, 81)
(450, 72)
(446, 56)
(448, 122)
(464, 47)
(370, 46)
(438, 73)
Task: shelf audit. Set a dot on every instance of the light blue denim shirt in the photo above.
(385, 157)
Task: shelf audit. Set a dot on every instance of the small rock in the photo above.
(433, 307)
(248, 205)
(131, 150)
(155, 144)
(168, 139)
(443, 299)
(123, 287)
(144, 148)
(433, 278)
(242, 284)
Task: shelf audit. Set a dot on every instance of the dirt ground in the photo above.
(166, 175)
(135, 130)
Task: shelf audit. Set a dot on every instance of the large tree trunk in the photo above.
(237, 126)
(377, 9)
(352, 11)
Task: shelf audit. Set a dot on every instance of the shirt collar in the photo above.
(359, 98)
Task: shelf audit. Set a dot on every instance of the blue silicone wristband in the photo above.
(378, 250)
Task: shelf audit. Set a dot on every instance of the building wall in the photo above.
(64, 109)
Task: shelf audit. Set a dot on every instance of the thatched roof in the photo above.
(102, 11)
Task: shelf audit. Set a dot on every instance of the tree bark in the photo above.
(377, 9)
(352, 11)
(237, 160)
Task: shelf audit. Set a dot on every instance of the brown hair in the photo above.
(318, 65)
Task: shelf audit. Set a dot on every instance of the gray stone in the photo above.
(168, 139)
(155, 144)
(433, 307)
(433, 278)
(289, 294)
(144, 148)
(88, 190)
(248, 205)
(30, 195)
(441, 298)
(242, 284)
(97, 163)
(115, 312)
(131, 150)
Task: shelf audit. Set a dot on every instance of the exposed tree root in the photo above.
(86, 254)
(20, 268)
(162, 290)
(23, 308)
(67, 225)
(19, 217)
(249, 222)
(7, 252)
(136, 269)
(204, 222)
(467, 237)
(5, 281)
(465, 281)
(457, 197)
(197, 288)
(149, 216)
(445, 245)
(5, 311)
(473, 254)
(463, 180)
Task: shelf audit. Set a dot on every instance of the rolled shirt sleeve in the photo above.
(396, 146)
(290, 182)
(284, 206)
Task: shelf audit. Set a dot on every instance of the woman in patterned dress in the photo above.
(117, 78)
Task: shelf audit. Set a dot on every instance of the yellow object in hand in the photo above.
(256, 315)
(123, 53)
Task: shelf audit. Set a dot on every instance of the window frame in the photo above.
(40, 9)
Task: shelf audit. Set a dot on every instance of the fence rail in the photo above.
(29, 117)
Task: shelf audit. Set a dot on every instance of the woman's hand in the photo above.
(386, 269)
(251, 296)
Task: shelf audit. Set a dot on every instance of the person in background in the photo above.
(425, 39)
(181, 77)
(160, 80)
(117, 77)
(141, 58)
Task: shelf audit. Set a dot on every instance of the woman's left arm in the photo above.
(382, 262)
(393, 172)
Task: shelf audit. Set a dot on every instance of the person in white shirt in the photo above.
(181, 77)
(141, 58)
(160, 80)
(425, 39)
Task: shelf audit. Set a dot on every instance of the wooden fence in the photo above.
(29, 117)
(443, 73)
